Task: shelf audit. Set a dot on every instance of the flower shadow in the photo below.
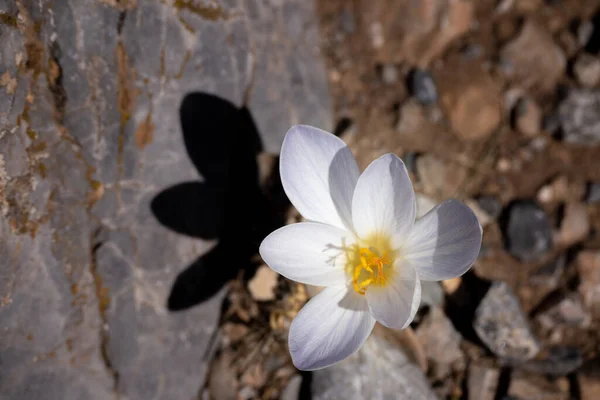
(222, 142)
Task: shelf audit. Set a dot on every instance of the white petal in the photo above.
(319, 173)
(444, 243)
(395, 304)
(384, 199)
(308, 252)
(330, 327)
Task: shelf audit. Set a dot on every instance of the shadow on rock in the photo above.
(222, 142)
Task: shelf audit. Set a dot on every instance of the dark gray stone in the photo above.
(593, 193)
(490, 205)
(422, 86)
(527, 231)
(501, 324)
(90, 133)
(580, 120)
(557, 361)
(379, 370)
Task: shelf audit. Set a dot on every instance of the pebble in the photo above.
(588, 267)
(262, 285)
(490, 205)
(526, 386)
(548, 275)
(441, 343)
(347, 21)
(475, 110)
(410, 160)
(292, 389)
(579, 116)
(379, 370)
(389, 74)
(584, 33)
(483, 382)
(528, 117)
(482, 216)
(593, 193)
(589, 383)
(587, 70)
(527, 231)
(538, 60)
(575, 225)
(568, 312)
(501, 324)
(551, 123)
(422, 86)
(556, 361)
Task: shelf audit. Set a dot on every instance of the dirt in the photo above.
(500, 68)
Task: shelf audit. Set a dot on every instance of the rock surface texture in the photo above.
(90, 133)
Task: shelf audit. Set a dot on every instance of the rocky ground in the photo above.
(496, 103)
(138, 173)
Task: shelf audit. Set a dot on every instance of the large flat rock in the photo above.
(91, 134)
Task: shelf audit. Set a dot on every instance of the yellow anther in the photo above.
(367, 260)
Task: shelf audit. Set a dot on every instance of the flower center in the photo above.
(370, 263)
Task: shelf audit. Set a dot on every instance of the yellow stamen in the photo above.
(367, 259)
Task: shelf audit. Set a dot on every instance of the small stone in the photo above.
(379, 370)
(483, 217)
(548, 275)
(527, 231)
(589, 381)
(579, 116)
(538, 60)
(347, 21)
(502, 326)
(410, 160)
(524, 386)
(584, 33)
(575, 225)
(593, 193)
(568, 312)
(527, 6)
(503, 165)
(262, 285)
(441, 343)
(588, 266)
(389, 74)
(234, 332)
(431, 294)
(551, 123)
(222, 381)
(473, 105)
(472, 51)
(483, 382)
(556, 361)
(451, 285)
(292, 389)
(587, 70)
(411, 117)
(422, 86)
(528, 117)
(490, 205)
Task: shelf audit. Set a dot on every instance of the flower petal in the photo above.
(330, 327)
(395, 304)
(444, 243)
(384, 199)
(308, 252)
(319, 173)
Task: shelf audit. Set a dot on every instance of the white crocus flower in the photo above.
(362, 242)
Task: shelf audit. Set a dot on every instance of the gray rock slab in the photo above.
(378, 371)
(90, 133)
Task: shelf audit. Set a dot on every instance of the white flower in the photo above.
(362, 243)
